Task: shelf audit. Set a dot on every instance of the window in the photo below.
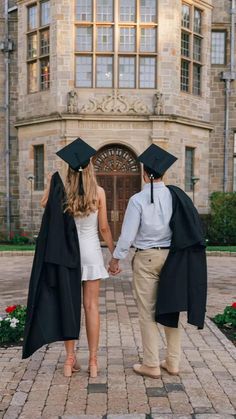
(38, 167)
(189, 168)
(218, 47)
(234, 168)
(191, 49)
(116, 44)
(127, 72)
(127, 11)
(38, 46)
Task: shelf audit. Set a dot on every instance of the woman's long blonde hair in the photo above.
(81, 205)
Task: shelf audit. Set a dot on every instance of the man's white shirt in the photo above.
(146, 225)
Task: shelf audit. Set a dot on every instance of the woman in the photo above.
(89, 211)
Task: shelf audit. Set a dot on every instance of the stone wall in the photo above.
(14, 163)
(221, 21)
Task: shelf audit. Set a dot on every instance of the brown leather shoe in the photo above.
(144, 370)
(170, 371)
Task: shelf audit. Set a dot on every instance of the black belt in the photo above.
(156, 248)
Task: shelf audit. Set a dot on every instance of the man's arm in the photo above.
(129, 231)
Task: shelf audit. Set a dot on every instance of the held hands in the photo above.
(113, 267)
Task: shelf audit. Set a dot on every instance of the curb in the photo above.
(31, 253)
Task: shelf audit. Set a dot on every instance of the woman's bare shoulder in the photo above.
(101, 192)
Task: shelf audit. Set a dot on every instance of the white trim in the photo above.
(12, 9)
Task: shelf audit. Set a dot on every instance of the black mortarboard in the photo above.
(77, 154)
(157, 161)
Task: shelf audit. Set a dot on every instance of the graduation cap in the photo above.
(77, 154)
(157, 161)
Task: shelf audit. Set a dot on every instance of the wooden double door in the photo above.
(118, 172)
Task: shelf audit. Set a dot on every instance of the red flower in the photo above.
(10, 309)
(234, 305)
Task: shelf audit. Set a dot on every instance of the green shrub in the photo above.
(228, 318)
(222, 222)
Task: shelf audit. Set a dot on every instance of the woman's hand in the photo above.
(114, 268)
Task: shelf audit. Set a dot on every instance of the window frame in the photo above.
(193, 150)
(116, 53)
(41, 181)
(39, 57)
(191, 59)
(224, 31)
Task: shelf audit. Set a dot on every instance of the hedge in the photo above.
(221, 229)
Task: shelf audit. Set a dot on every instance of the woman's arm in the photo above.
(44, 199)
(104, 227)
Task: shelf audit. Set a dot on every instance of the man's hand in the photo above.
(113, 267)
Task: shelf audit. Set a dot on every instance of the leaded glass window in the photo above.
(45, 13)
(32, 17)
(196, 79)
(197, 20)
(147, 72)
(116, 43)
(32, 46)
(191, 49)
(44, 42)
(148, 10)
(104, 38)
(127, 72)
(127, 10)
(38, 167)
(197, 48)
(185, 16)
(127, 39)
(84, 38)
(189, 168)
(185, 44)
(32, 77)
(84, 10)
(104, 10)
(218, 52)
(148, 40)
(84, 71)
(185, 76)
(104, 71)
(38, 46)
(44, 74)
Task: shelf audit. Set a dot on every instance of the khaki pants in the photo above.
(147, 265)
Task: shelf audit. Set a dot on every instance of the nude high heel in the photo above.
(71, 365)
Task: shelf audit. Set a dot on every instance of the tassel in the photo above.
(151, 179)
(81, 186)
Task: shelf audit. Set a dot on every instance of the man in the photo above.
(163, 225)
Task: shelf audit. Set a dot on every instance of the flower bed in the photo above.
(12, 325)
(227, 322)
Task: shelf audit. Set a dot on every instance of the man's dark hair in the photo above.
(149, 172)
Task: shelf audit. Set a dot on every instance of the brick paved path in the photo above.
(36, 388)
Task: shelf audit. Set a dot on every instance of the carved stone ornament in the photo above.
(158, 103)
(72, 102)
(116, 104)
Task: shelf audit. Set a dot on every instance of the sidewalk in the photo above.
(36, 388)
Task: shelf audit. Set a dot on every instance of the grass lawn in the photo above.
(16, 247)
(222, 248)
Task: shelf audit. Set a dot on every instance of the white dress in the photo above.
(92, 263)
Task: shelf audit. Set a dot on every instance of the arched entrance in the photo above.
(119, 173)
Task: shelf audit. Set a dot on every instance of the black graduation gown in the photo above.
(183, 279)
(54, 299)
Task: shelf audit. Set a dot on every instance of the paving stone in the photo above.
(36, 388)
(97, 388)
(156, 392)
(170, 387)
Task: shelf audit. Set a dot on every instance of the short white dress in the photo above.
(92, 262)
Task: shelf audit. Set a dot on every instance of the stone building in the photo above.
(120, 75)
